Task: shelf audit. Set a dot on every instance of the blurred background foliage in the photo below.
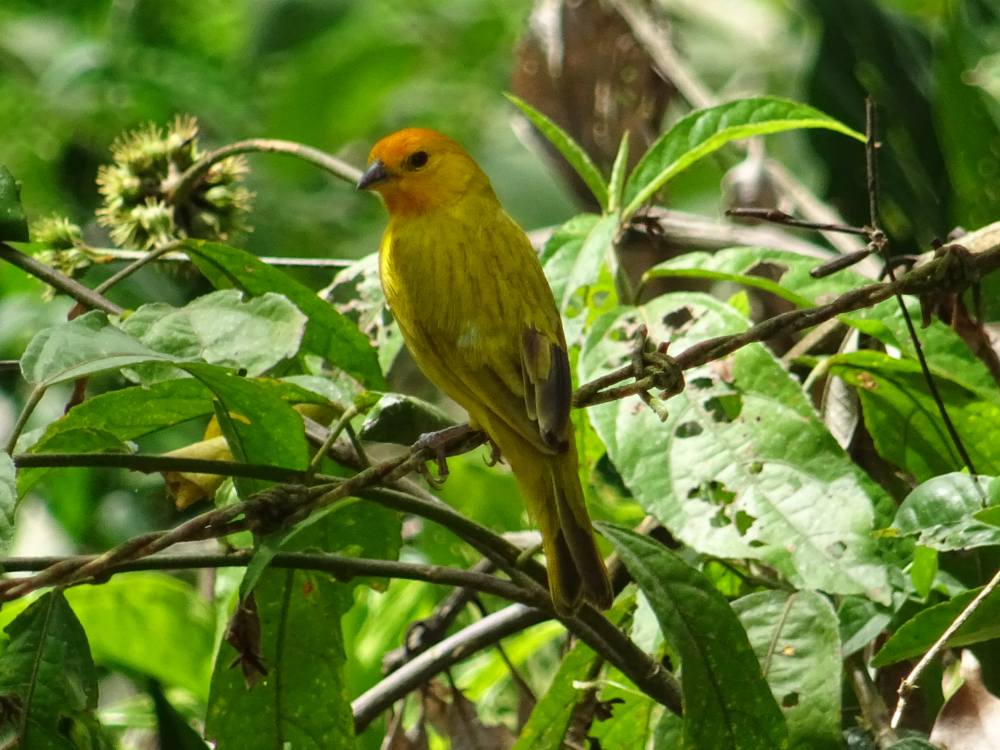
(339, 74)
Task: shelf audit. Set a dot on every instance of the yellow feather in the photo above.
(474, 307)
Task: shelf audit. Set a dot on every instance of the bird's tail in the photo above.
(552, 491)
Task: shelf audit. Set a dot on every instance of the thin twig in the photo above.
(135, 265)
(336, 564)
(334, 166)
(107, 254)
(60, 282)
(775, 216)
(879, 239)
(911, 679)
(22, 420)
(873, 708)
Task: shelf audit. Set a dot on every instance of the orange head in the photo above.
(418, 170)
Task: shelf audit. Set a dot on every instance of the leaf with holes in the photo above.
(796, 638)
(727, 703)
(742, 467)
(942, 513)
(706, 130)
(904, 420)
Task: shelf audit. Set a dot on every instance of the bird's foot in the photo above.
(435, 446)
(495, 456)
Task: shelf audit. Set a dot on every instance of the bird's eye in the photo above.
(418, 159)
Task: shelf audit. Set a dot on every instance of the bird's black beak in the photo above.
(376, 174)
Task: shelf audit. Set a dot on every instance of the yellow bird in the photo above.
(473, 305)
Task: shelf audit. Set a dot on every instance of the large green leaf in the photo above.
(575, 253)
(328, 333)
(13, 221)
(81, 347)
(797, 641)
(942, 511)
(570, 149)
(946, 353)
(629, 725)
(220, 329)
(302, 702)
(8, 500)
(744, 264)
(727, 703)
(742, 467)
(904, 421)
(149, 623)
(916, 636)
(258, 425)
(47, 676)
(704, 131)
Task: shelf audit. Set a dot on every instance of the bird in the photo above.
(476, 311)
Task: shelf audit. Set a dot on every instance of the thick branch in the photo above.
(70, 287)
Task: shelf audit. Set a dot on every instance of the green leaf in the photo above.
(904, 420)
(578, 250)
(742, 464)
(302, 701)
(550, 718)
(81, 347)
(924, 570)
(861, 621)
(743, 265)
(616, 185)
(328, 333)
(76, 440)
(258, 425)
(942, 512)
(707, 130)
(946, 353)
(172, 730)
(8, 500)
(630, 723)
(727, 703)
(221, 329)
(13, 221)
(47, 672)
(916, 636)
(402, 419)
(146, 623)
(574, 154)
(797, 641)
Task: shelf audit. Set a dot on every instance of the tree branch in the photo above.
(70, 287)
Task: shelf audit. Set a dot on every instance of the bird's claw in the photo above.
(495, 456)
(435, 444)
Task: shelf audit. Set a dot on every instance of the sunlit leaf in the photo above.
(796, 638)
(742, 466)
(220, 329)
(917, 635)
(704, 131)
